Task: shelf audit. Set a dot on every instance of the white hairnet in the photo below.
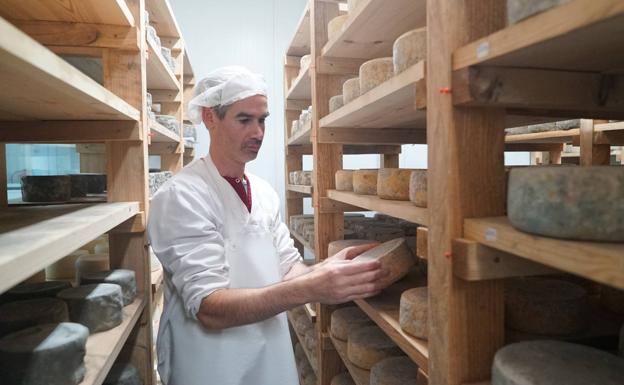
(223, 87)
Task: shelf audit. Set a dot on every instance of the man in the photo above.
(231, 269)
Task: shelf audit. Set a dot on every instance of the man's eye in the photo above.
(261, 121)
(244, 121)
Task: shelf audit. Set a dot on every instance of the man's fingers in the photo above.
(352, 267)
(354, 251)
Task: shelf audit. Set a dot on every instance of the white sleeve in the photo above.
(285, 246)
(184, 237)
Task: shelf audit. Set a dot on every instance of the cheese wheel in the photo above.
(517, 130)
(48, 289)
(394, 371)
(123, 374)
(368, 345)
(302, 324)
(518, 10)
(393, 183)
(15, 316)
(306, 178)
(555, 363)
(374, 72)
(418, 188)
(409, 49)
(65, 268)
(89, 246)
(612, 299)
(297, 311)
(365, 182)
(51, 354)
(344, 180)
(350, 90)
(126, 279)
(294, 127)
(46, 188)
(98, 307)
(101, 248)
(295, 220)
(346, 319)
(291, 177)
(91, 263)
(413, 312)
(379, 217)
(335, 25)
(335, 246)
(342, 379)
(545, 306)
(395, 257)
(335, 102)
(580, 203)
(304, 62)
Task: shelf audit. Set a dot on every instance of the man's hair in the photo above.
(220, 111)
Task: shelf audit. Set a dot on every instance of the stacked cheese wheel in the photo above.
(394, 183)
(368, 345)
(409, 49)
(395, 257)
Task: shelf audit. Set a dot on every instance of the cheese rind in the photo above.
(350, 90)
(413, 312)
(48, 289)
(365, 182)
(335, 102)
(342, 379)
(518, 10)
(394, 371)
(408, 49)
(346, 319)
(19, 315)
(418, 188)
(91, 263)
(375, 72)
(98, 307)
(335, 25)
(125, 278)
(395, 257)
(344, 180)
(368, 345)
(393, 183)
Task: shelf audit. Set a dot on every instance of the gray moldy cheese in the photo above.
(375, 72)
(518, 10)
(46, 188)
(126, 279)
(418, 188)
(555, 363)
(579, 203)
(409, 49)
(51, 354)
(99, 307)
(393, 183)
(335, 102)
(394, 371)
(413, 312)
(344, 180)
(350, 90)
(346, 319)
(368, 345)
(365, 182)
(15, 316)
(123, 374)
(343, 378)
(395, 257)
(545, 306)
(48, 289)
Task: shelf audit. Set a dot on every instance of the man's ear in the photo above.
(208, 117)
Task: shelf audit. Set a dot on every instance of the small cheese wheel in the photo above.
(374, 72)
(344, 180)
(335, 25)
(122, 277)
(394, 371)
(47, 289)
(98, 307)
(297, 311)
(395, 257)
(545, 306)
(379, 217)
(579, 203)
(306, 178)
(350, 90)
(123, 374)
(342, 379)
(418, 188)
(555, 363)
(335, 102)
(294, 127)
(292, 177)
(409, 49)
(15, 316)
(346, 319)
(51, 354)
(518, 10)
(302, 323)
(393, 183)
(335, 246)
(65, 268)
(612, 299)
(91, 263)
(305, 61)
(413, 312)
(368, 345)
(365, 182)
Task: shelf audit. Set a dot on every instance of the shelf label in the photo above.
(490, 234)
(483, 50)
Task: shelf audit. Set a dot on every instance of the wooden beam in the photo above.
(592, 154)
(71, 131)
(339, 66)
(166, 96)
(327, 205)
(165, 148)
(612, 138)
(136, 224)
(3, 177)
(297, 104)
(516, 147)
(371, 149)
(389, 161)
(371, 136)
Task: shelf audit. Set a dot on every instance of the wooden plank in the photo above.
(296, 236)
(161, 134)
(32, 78)
(162, 18)
(297, 105)
(32, 238)
(310, 310)
(523, 147)
(422, 242)
(327, 205)
(3, 177)
(339, 66)
(299, 189)
(114, 12)
(373, 27)
(309, 355)
(300, 43)
(165, 148)
(189, 75)
(561, 136)
(166, 96)
(71, 131)
(601, 262)
(592, 154)
(391, 104)
(159, 75)
(398, 209)
(359, 149)
(360, 376)
(301, 87)
(372, 136)
(582, 35)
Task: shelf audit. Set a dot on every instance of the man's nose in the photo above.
(258, 131)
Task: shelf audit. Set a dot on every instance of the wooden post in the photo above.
(3, 177)
(593, 154)
(466, 179)
(389, 161)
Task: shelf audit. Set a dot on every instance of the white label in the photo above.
(483, 50)
(490, 234)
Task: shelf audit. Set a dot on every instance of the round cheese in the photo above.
(297, 311)
(518, 10)
(51, 354)
(46, 188)
(368, 345)
(395, 257)
(335, 25)
(342, 379)
(302, 324)
(123, 374)
(15, 316)
(292, 177)
(517, 130)
(294, 127)
(48, 289)
(335, 102)
(394, 371)
(365, 182)
(545, 306)
(350, 90)
(413, 312)
(90, 246)
(101, 248)
(393, 183)
(126, 279)
(344, 180)
(612, 299)
(91, 263)
(336, 246)
(304, 62)
(98, 307)
(65, 268)
(418, 188)
(409, 49)
(580, 203)
(555, 363)
(375, 72)
(346, 319)
(306, 178)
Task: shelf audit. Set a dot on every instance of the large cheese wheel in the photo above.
(365, 182)
(297, 311)
(296, 219)
(51, 354)
(47, 289)
(518, 10)
(555, 363)
(418, 188)
(292, 177)
(335, 25)
(123, 374)
(65, 268)
(344, 180)
(394, 371)
(122, 277)
(395, 257)
(98, 307)
(612, 299)
(393, 183)
(343, 378)
(374, 72)
(517, 130)
(350, 90)
(302, 324)
(346, 319)
(409, 49)
(336, 246)
(46, 188)
(335, 102)
(413, 312)
(581, 203)
(368, 345)
(91, 263)
(15, 316)
(90, 246)
(545, 306)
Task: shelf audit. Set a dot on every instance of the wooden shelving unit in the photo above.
(301, 189)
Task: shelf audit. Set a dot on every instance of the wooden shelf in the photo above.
(159, 75)
(301, 137)
(592, 260)
(161, 134)
(310, 310)
(398, 209)
(300, 44)
(31, 238)
(299, 238)
(33, 77)
(103, 347)
(301, 338)
(83, 11)
(561, 136)
(360, 376)
(372, 29)
(299, 189)
(189, 75)
(301, 88)
(161, 17)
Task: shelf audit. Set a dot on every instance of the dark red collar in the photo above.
(238, 186)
